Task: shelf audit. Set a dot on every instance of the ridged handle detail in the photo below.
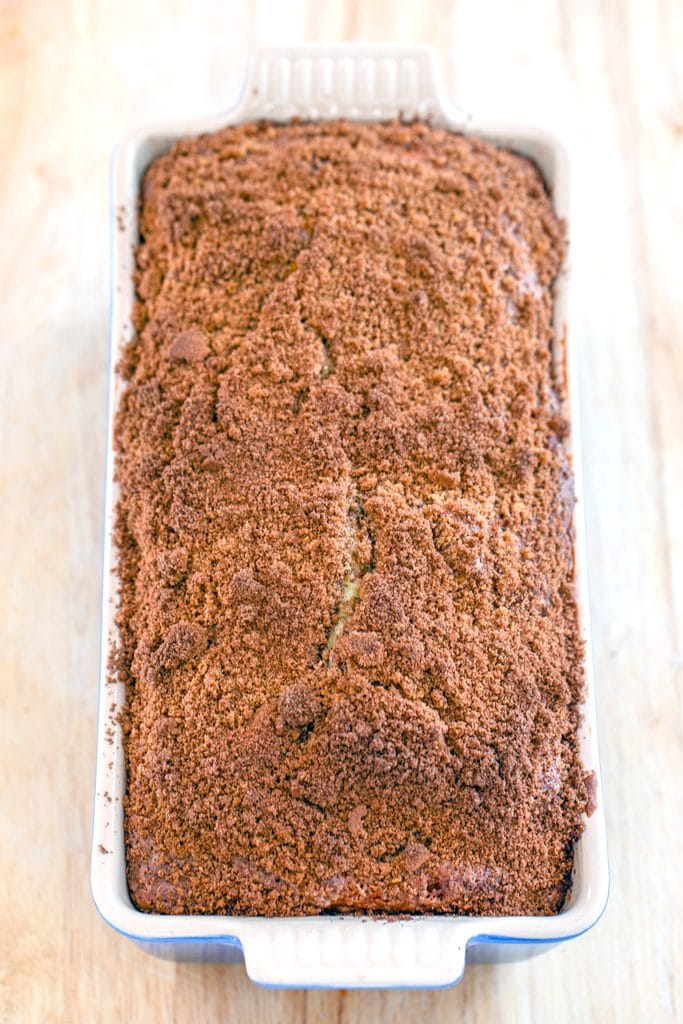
(325, 82)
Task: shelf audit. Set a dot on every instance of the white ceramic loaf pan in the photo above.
(366, 83)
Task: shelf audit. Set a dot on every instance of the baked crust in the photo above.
(347, 612)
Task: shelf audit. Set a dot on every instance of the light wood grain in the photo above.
(608, 78)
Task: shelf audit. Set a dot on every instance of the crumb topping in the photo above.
(347, 612)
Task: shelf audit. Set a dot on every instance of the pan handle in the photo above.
(346, 80)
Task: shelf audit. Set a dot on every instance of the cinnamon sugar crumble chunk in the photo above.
(347, 611)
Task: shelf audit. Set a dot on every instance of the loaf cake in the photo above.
(347, 617)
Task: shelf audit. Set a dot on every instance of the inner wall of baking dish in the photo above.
(111, 762)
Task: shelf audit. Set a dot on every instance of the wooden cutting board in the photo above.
(74, 77)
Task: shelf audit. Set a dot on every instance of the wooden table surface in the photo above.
(74, 77)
